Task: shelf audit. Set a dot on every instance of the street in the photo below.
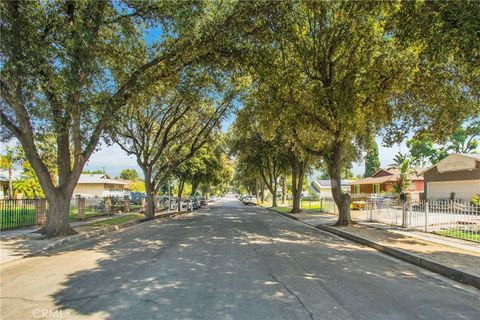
(227, 261)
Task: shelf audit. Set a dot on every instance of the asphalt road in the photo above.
(226, 262)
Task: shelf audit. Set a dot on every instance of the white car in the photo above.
(249, 200)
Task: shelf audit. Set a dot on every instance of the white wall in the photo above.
(464, 190)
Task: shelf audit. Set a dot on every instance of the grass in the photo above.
(281, 209)
(460, 234)
(116, 220)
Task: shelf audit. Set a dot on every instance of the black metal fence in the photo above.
(17, 213)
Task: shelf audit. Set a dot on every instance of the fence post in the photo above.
(426, 215)
(81, 207)
(108, 206)
(404, 214)
(126, 204)
(372, 207)
(409, 220)
(40, 211)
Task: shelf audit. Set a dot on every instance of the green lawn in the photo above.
(474, 236)
(89, 213)
(116, 220)
(281, 209)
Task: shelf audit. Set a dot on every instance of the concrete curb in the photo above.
(455, 274)
(282, 214)
(87, 235)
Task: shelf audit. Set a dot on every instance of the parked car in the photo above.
(203, 202)
(212, 199)
(249, 200)
(137, 197)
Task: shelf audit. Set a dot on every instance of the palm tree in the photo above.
(402, 162)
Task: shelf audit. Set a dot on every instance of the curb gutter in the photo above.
(87, 235)
(457, 275)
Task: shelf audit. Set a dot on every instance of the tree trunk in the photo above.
(257, 193)
(298, 169)
(57, 222)
(150, 191)
(342, 200)
(284, 190)
(262, 192)
(181, 184)
(273, 190)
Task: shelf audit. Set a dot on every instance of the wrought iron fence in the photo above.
(17, 213)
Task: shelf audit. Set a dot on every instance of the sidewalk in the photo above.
(451, 257)
(19, 243)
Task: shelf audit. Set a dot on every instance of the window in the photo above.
(376, 188)
(356, 188)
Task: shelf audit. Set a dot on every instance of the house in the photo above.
(323, 188)
(99, 185)
(3, 186)
(384, 181)
(457, 173)
(16, 175)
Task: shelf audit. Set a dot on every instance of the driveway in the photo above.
(226, 262)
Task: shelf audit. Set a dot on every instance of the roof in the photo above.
(328, 183)
(393, 177)
(98, 178)
(473, 156)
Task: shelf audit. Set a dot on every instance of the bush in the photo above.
(476, 200)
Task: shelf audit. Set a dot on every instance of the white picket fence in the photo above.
(451, 218)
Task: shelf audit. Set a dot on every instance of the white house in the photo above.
(323, 188)
(457, 174)
(99, 185)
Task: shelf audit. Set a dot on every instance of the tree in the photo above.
(137, 186)
(93, 172)
(28, 185)
(349, 68)
(372, 161)
(423, 149)
(167, 128)
(67, 67)
(129, 174)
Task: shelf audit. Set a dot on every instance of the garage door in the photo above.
(464, 190)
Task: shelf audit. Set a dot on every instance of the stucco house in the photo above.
(3, 186)
(99, 185)
(458, 173)
(323, 188)
(384, 181)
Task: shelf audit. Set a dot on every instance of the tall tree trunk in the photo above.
(284, 190)
(257, 188)
(57, 222)
(273, 190)
(181, 184)
(298, 174)
(342, 199)
(262, 192)
(150, 191)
